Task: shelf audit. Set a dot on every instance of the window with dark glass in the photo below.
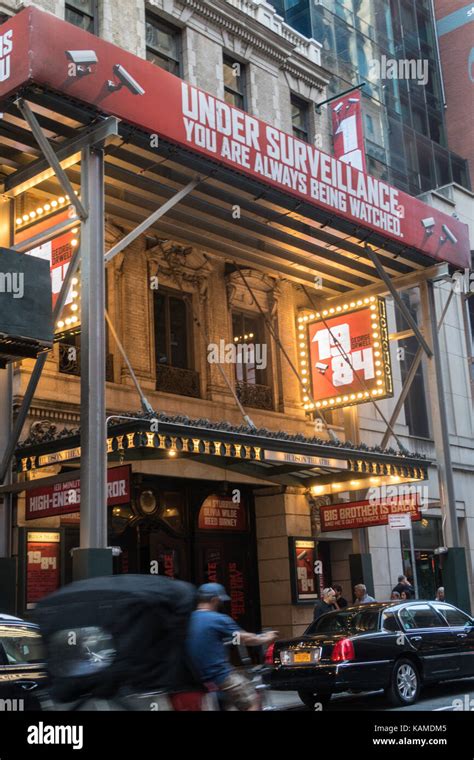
(234, 82)
(83, 13)
(453, 616)
(248, 331)
(172, 336)
(163, 44)
(300, 118)
(416, 412)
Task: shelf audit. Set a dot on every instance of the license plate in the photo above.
(299, 657)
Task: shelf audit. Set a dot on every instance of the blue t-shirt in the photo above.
(207, 632)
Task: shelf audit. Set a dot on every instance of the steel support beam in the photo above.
(440, 422)
(388, 282)
(409, 380)
(51, 156)
(93, 414)
(143, 226)
(42, 237)
(87, 137)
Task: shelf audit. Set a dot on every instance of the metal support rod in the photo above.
(409, 379)
(143, 226)
(444, 462)
(93, 424)
(413, 560)
(50, 156)
(280, 345)
(146, 406)
(403, 395)
(37, 369)
(339, 95)
(406, 313)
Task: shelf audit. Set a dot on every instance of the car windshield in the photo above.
(351, 621)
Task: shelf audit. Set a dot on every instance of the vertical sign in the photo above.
(347, 130)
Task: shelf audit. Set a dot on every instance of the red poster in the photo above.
(42, 571)
(63, 498)
(363, 514)
(347, 130)
(348, 354)
(303, 562)
(37, 49)
(221, 513)
(58, 252)
(236, 589)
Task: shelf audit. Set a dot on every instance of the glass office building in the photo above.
(404, 124)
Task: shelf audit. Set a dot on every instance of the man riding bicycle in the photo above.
(209, 629)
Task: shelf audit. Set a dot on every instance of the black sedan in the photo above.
(397, 647)
(22, 671)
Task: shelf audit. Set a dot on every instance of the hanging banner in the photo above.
(50, 52)
(363, 514)
(221, 513)
(344, 354)
(63, 498)
(347, 130)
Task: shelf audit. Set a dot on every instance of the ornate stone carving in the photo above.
(265, 290)
(180, 266)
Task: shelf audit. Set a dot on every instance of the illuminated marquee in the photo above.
(344, 354)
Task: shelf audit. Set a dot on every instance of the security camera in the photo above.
(338, 107)
(322, 367)
(125, 80)
(440, 550)
(82, 60)
(428, 224)
(448, 235)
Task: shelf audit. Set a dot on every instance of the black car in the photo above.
(22, 672)
(394, 646)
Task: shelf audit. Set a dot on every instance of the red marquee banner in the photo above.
(63, 498)
(38, 47)
(363, 514)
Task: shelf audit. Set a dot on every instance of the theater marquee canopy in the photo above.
(300, 210)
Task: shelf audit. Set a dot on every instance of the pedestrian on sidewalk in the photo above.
(325, 604)
(361, 595)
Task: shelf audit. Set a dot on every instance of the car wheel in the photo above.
(312, 698)
(405, 683)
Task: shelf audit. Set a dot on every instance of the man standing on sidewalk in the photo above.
(209, 631)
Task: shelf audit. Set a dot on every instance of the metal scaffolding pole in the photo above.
(444, 462)
(93, 558)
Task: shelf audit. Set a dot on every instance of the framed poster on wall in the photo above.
(39, 566)
(304, 580)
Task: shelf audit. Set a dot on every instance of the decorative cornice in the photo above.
(234, 17)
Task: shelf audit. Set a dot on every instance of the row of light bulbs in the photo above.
(74, 318)
(47, 208)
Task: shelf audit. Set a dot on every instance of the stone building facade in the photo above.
(278, 64)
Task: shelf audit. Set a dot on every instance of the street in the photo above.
(451, 696)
